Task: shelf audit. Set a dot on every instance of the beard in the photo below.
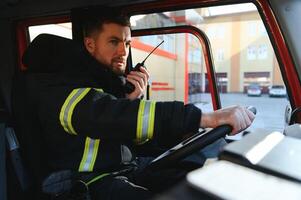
(118, 66)
(118, 71)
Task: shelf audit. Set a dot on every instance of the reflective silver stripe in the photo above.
(88, 159)
(145, 121)
(72, 100)
(67, 109)
(89, 156)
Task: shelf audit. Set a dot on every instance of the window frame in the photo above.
(205, 45)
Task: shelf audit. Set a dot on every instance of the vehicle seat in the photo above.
(26, 125)
(24, 101)
(45, 55)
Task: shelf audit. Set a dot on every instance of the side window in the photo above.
(250, 63)
(61, 29)
(245, 65)
(177, 68)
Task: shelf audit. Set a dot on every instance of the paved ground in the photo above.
(270, 111)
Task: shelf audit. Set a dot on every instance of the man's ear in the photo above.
(89, 44)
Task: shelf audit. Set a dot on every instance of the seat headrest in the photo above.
(49, 53)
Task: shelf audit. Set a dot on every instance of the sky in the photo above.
(221, 10)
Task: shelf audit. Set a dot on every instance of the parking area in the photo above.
(270, 111)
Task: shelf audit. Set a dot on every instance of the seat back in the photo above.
(28, 131)
(45, 55)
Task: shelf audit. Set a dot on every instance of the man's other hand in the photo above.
(139, 79)
(238, 117)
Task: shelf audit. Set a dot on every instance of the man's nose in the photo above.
(122, 50)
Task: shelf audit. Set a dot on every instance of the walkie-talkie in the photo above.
(129, 87)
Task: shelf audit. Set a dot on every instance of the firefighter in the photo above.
(92, 128)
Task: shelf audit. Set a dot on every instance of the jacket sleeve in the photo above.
(96, 114)
(174, 120)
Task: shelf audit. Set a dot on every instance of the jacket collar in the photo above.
(103, 76)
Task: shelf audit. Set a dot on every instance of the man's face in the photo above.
(110, 46)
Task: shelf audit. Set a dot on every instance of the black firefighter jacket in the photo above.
(87, 124)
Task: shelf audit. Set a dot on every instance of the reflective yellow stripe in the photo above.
(97, 178)
(80, 97)
(139, 121)
(85, 155)
(68, 107)
(89, 156)
(98, 89)
(145, 121)
(63, 111)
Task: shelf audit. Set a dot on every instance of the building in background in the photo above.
(241, 49)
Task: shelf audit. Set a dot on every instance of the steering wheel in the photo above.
(191, 145)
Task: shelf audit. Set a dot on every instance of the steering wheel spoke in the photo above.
(192, 144)
(189, 146)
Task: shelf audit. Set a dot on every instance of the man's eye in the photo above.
(114, 42)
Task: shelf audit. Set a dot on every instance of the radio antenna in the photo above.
(152, 52)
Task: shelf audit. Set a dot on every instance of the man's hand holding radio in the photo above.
(139, 79)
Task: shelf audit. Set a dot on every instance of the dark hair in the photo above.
(94, 18)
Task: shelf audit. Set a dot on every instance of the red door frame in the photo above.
(23, 35)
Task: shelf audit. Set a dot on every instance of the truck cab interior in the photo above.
(213, 50)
